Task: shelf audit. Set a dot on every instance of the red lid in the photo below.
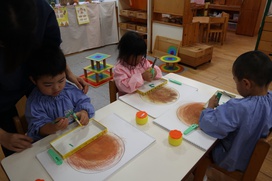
(175, 134)
(141, 114)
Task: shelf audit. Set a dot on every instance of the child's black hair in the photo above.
(47, 60)
(132, 45)
(255, 66)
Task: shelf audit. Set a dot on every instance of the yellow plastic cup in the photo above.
(141, 117)
(175, 137)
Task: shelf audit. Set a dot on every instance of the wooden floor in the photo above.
(218, 74)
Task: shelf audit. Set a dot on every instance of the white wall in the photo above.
(164, 30)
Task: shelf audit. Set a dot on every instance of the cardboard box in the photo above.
(196, 54)
(141, 28)
(124, 12)
(141, 15)
(132, 13)
(131, 26)
(123, 25)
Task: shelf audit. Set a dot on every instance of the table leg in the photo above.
(173, 66)
(97, 77)
(111, 72)
(97, 65)
(104, 63)
(85, 74)
(92, 63)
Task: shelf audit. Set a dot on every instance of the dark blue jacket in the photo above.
(16, 84)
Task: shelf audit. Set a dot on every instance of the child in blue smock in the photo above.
(241, 122)
(53, 99)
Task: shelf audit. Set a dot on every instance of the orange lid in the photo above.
(141, 114)
(175, 134)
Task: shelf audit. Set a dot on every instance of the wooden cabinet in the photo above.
(250, 17)
(133, 16)
(265, 43)
(173, 7)
(168, 12)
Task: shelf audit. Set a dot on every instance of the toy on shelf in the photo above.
(99, 73)
(171, 64)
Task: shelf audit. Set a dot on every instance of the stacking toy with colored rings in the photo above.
(175, 137)
(141, 117)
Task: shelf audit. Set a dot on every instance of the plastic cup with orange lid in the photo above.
(141, 117)
(175, 137)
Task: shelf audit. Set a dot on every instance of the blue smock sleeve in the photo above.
(219, 122)
(36, 116)
(80, 100)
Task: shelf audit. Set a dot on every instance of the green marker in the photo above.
(191, 128)
(55, 157)
(175, 81)
(152, 68)
(218, 95)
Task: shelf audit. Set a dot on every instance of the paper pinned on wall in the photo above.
(82, 14)
(62, 16)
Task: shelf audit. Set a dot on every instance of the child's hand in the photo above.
(147, 76)
(83, 117)
(61, 123)
(213, 102)
(154, 74)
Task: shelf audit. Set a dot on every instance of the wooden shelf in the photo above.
(127, 29)
(173, 7)
(166, 23)
(233, 21)
(132, 16)
(224, 7)
(168, 19)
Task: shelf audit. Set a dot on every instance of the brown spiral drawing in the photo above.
(99, 155)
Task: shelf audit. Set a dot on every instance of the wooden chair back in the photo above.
(20, 120)
(257, 158)
(215, 29)
(226, 15)
(113, 91)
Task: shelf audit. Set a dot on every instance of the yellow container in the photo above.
(141, 117)
(175, 137)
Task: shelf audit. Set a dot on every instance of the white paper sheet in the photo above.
(170, 121)
(135, 141)
(155, 110)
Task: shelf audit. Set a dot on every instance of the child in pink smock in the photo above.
(132, 68)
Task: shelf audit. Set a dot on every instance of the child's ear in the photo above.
(32, 80)
(247, 83)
